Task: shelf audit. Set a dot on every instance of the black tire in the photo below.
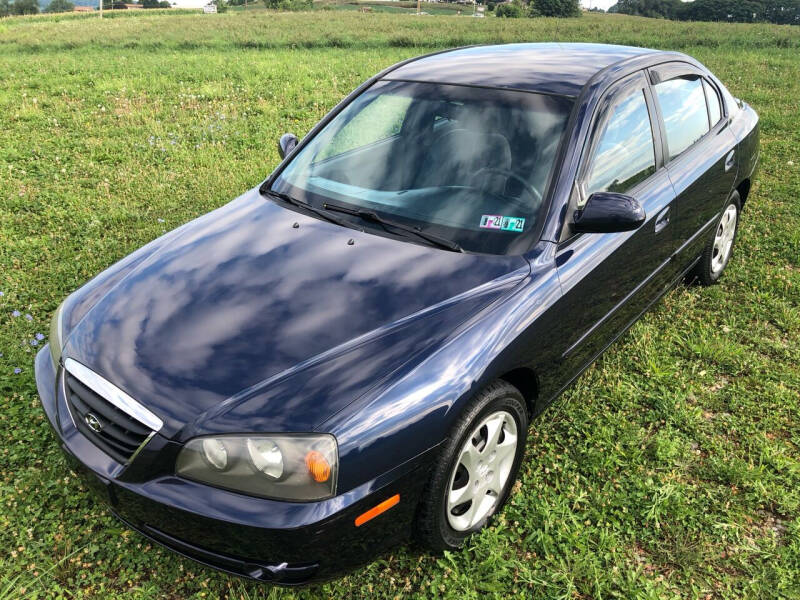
(704, 272)
(433, 529)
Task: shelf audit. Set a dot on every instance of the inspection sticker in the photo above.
(515, 224)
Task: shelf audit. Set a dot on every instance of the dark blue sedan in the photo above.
(351, 353)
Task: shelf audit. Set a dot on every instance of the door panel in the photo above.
(700, 146)
(703, 182)
(609, 279)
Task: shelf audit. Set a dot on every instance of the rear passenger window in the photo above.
(624, 154)
(683, 105)
(714, 110)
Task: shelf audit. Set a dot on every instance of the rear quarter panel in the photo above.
(745, 126)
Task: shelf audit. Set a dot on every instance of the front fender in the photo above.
(416, 409)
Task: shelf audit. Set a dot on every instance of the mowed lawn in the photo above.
(670, 470)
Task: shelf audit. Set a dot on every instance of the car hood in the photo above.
(252, 291)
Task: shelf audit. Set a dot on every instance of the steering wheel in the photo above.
(537, 196)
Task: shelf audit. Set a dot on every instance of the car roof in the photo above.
(551, 68)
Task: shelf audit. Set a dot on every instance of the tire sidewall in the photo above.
(708, 275)
(506, 399)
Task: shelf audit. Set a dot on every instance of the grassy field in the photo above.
(670, 470)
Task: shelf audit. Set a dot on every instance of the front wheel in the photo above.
(718, 252)
(477, 469)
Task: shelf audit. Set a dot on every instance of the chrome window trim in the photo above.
(113, 394)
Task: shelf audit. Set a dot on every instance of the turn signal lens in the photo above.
(319, 468)
(377, 510)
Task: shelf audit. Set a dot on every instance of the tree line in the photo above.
(536, 8)
(31, 7)
(784, 12)
(20, 7)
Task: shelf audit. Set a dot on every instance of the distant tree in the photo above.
(557, 8)
(510, 10)
(782, 12)
(664, 9)
(289, 4)
(25, 7)
(721, 10)
(491, 6)
(742, 11)
(59, 6)
(149, 3)
(5, 8)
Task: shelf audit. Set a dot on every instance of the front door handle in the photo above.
(662, 220)
(730, 160)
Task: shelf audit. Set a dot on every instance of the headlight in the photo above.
(56, 335)
(282, 466)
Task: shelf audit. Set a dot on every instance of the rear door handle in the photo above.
(662, 220)
(730, 160)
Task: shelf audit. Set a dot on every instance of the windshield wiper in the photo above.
(306, 206)
(368, 215)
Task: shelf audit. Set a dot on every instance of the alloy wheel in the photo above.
(481, 471)
(723, 240)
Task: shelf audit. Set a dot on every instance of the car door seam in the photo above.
(697, 234)
(642, 284)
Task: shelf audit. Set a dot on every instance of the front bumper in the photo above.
(282, 542)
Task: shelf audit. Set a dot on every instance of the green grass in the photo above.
(670, 470)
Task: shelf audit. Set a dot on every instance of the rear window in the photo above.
(683, 106)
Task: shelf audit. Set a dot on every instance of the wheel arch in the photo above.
(526, 381)
(744, 190)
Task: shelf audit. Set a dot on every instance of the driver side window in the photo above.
(624, 154)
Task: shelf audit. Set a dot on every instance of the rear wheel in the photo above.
(718, 252)
(478, 467)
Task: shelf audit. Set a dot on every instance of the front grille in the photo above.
(119, 435)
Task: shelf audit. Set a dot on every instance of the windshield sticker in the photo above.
(516, 224)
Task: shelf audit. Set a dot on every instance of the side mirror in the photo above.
(608, 212)
(287, 143)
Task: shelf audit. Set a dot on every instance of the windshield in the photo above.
(466, 164)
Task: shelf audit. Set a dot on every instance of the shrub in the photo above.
(292, 5)
(509, 10)
(556, 8)
(25, 7)
(58, 6)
